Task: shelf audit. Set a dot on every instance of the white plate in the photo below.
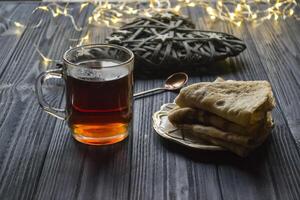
(165, 129)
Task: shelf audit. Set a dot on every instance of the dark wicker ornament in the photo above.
(168, 42)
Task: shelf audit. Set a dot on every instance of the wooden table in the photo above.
(40, 160)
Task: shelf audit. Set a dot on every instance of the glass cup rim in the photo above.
(130, 59)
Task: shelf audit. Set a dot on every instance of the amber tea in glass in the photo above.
(99, 85)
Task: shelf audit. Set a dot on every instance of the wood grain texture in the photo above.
(40, 160)
(26, 131)
(9, 39)
(251, 65)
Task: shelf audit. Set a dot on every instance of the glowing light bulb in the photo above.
(269, 16)
(43, 8)
(238, 23)
(84, 39)
(83, 5)
(65, 12)
(46, 61)
(277, 5)
(90, 19)
(238, 8)
(17, 24)
(210, 10)
(177, 8)
(115, 20)
(231, 15)
(254, 16)
(192, 4)
(147, 14)
(106, 22)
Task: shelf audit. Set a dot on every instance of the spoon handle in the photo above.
(147, 91)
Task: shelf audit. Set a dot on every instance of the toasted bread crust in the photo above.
(242, 102)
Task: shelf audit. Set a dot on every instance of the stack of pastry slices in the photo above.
(233, 114)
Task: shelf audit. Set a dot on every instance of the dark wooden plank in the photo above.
(283, 70)
(262, 177)
(85, 172)
(278, 53)
(10, 35)
(159, 170)
(53, 40)
(293, 30)
(36, 148)
(26, 131)
(282, 67)
(147, 181)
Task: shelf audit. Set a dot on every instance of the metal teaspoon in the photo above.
(173, 82)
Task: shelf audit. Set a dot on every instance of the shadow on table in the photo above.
(256, 157)
(218, 68)
(104, 156)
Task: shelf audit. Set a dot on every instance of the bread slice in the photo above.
(249, 141)
(238, 144)
(235, 148)
(242, 102)
(188, 115)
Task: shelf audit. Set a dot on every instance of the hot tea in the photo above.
(99, 81)
(99, 106)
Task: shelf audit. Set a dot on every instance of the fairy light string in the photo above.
(232, 11)
(117, 13)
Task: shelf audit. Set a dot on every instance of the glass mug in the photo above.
(99, 86)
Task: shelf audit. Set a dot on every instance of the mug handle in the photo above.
(56, 112)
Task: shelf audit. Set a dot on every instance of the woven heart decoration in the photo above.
(168, 42)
